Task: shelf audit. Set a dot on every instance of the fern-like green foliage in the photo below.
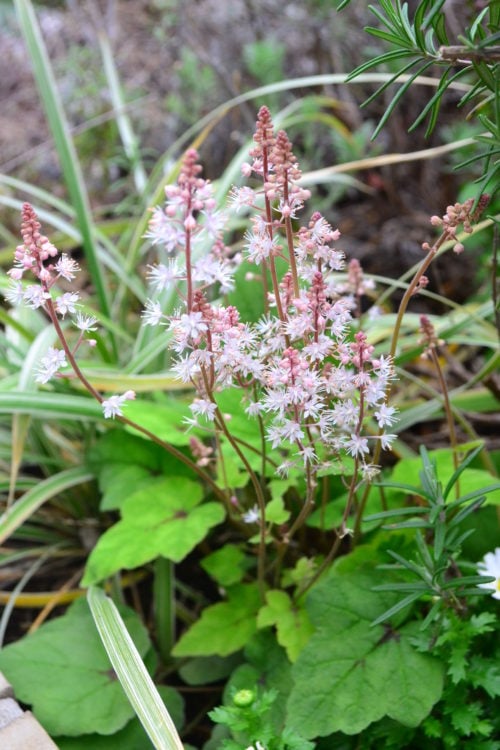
(420, 42)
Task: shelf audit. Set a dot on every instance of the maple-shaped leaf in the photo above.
(164, 518)
(64, 673)
(276, 511)
(226, 565)
(351, 674)
(165, 420)
(225, 627)
(292, 622)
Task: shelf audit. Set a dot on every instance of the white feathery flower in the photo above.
(386, 440)
(213, 222)
(14, 294)
(152, 314)
(35, 296)
(85, 322)
(112, 406)
(490, 566)
(186, 368)
(190, 325)
(357, 446)
(162, 230)
(67, 267)
(241, 197)
(66, 303)
(161, 276)
(204, 407)
(260, 246)
(50, 364)
(385, 415)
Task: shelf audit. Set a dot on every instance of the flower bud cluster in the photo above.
(39, 258)
(189, 224)
(429, 337)
(460, 214)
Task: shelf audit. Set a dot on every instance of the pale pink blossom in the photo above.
(66, 267)
(49, 365)
(252, 515)
(112, 406)
(203, 407)
(66, 303)
(357, 446)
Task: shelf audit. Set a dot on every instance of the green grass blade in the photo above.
(23, 508)
(70, 165)
(397, 607)
(123, 123)
(132, 673)
(49, 405)
(9, 607)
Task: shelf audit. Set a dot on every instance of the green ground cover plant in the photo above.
(225, 435)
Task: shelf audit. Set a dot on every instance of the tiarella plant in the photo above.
(265, 474)
(307, 375)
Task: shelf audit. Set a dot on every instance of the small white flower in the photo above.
(35, 296)
(385, 415)
(161, 276)
(164, 231)
(490, 566)
(112, 406)
(386, 440)
(152, 313)
(369, 472)
(204, 407)
(85, 322)
(14, 294)
(66, 267)
(66, 303)
(190, 325)
(252, 515)
(50, 364)
(357, 446)
(186, 368)
(241, 197)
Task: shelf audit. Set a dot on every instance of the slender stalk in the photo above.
(269, 223)
(339, 534)
(290, 244)
(261, 562)
(410, 291)
(125, 420)
(164, 606)
(189, 274)
(448, 411)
